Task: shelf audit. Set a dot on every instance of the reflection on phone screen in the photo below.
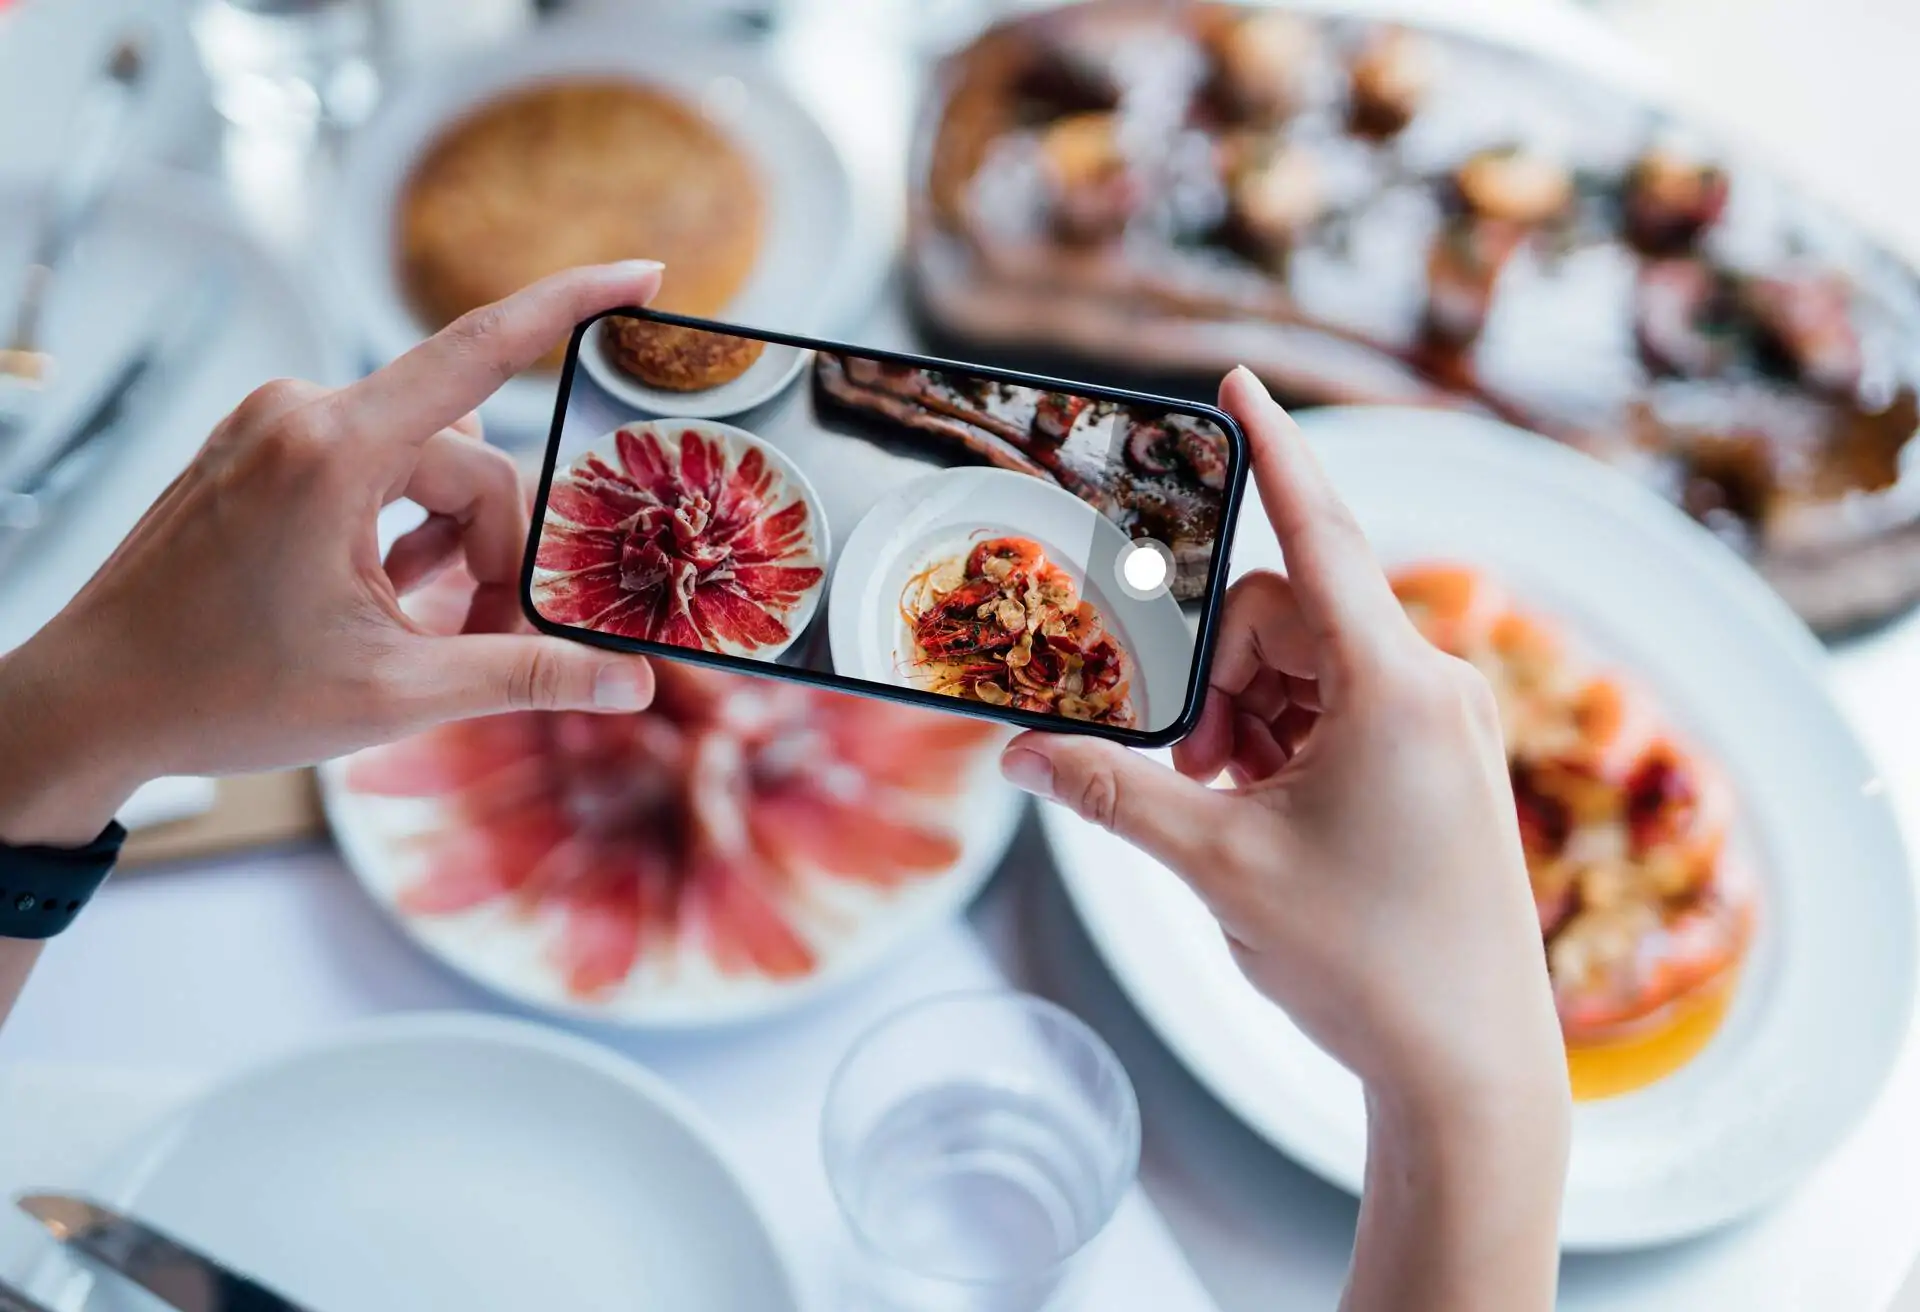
(883, 522)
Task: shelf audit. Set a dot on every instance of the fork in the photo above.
(25, 365)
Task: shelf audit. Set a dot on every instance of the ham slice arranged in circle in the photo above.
(709, 826)
(681, 532)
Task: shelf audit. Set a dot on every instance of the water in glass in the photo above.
(978, 1145)
(287, 65)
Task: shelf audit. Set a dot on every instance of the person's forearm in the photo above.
(1461, 1211)
(63, 770)
(17, 956)
(61, 780)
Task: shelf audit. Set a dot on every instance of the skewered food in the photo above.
(1160, 475)
(1368, 213)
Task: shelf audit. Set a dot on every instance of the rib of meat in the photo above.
(1154, 475)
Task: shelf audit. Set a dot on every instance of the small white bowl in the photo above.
(765, 379)
(737, 441)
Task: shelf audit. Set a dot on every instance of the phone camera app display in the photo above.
(919, 528)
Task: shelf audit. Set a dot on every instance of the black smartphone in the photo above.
(1046, 553)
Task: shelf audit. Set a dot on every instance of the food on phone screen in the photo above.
(1646, 914)
(1003, 625)
(675, 358)
(681, 532)
(578, 172)
(1153, 474)
(705, 834)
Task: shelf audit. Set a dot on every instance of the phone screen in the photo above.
(1037, 551)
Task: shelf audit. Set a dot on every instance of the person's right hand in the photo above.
(1366, 868)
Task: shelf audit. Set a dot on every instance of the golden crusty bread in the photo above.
(578, 172)
(677, 359)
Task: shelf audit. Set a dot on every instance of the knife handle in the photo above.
(13, 1300)
(239, 1294)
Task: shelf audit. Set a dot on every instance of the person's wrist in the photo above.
(68, 759)
(1514, 1117)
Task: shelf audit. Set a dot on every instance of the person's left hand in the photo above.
(248, 621)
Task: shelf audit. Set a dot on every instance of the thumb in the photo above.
(486, 674)
(1170, 817)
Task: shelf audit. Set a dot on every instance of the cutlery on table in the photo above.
(14, 1300)
(163, 1266)
(180, 328)
(104, 114)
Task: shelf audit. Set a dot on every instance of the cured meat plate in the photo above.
(732, 851)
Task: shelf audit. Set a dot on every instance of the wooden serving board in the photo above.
(252, 811)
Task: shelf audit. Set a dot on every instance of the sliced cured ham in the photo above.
(705, 826)
(678, 539)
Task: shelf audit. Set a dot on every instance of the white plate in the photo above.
(817, 267)
(448, 1161)
(152, 228)
(944, 515)
(764, 379)
(853, 928)
(1823, 1009)
(737, 441)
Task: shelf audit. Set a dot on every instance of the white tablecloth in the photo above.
(192, 974)
(200, 970)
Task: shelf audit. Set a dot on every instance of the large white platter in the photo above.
(1824, 1008)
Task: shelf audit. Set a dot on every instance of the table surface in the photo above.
(295, 949)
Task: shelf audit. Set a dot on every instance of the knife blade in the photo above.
(163, 1266)
(13, 1300)
(181, 327)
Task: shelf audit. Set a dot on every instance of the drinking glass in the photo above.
(977, 1144)
(288, 67)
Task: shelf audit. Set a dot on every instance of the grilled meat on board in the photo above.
(1155, 475)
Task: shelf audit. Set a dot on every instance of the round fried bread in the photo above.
(578, 172)
(677, 359)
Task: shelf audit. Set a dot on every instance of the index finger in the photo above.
(1341, 589)
(452, 372)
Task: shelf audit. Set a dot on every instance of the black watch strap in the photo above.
(43, 888)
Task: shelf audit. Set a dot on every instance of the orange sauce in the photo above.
(1607, 1070)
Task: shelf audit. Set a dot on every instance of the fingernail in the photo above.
(638, 268)
(1028, 771)
(619, 688)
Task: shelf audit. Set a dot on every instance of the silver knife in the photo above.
(14, 1300)
(182, 326)
(159, 1264)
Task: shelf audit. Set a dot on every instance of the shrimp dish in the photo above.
(1005, 626)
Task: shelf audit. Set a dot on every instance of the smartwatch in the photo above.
(43, 888)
